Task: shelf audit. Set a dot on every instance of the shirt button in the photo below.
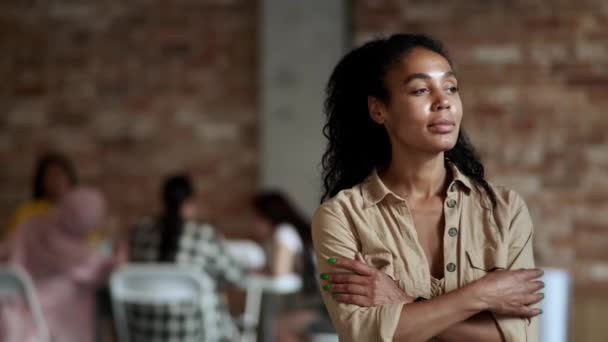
(451, 267)
(451, 203)
(452, 232)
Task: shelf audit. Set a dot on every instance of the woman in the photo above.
(175, 237)
(54, 176)
(277, 220)
(65, 268)
(413, 242)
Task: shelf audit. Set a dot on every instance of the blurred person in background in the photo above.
(287, 236)
(53, 177)
(65, 267)
(176, 237)
(413, 242)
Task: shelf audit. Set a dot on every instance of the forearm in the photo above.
(421, 321)
(282, 261)
(479, 328)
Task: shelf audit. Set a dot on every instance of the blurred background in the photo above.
(231, 92)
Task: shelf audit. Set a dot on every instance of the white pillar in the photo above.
(300, 43)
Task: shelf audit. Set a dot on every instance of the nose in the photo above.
(441, 102)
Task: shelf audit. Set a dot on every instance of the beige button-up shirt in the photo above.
(374, 221)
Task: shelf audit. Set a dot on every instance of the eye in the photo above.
(420, 91)
(452, 89)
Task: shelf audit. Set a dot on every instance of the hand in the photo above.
(510, 292)
(366, 286)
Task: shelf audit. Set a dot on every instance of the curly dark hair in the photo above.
(356, 144)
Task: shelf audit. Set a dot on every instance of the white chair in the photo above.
(158, 284)
(553, 323)
(256, 287)
(325, 337)
(247, 253)
(15, 282)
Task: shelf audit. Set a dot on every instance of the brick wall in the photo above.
(132, 91)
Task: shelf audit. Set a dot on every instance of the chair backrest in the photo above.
(157, 284)
(256, 287)
(247, 253)
(553, 323)
(14, 282)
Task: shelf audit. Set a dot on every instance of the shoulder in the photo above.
(34, 206)
(288, 235)
(286, 229)
(507, 199)
(335, 216)
(197, 231)
(510, 206)
(30, 209)
(342, 204)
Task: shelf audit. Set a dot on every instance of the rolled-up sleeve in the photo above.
(334, 237)
(520, 257)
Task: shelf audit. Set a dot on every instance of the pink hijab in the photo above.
(55, 244)
(64, 267)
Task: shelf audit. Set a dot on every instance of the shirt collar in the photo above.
(374, 190)
(459, 177)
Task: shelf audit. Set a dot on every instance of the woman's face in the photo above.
(56, 182)
(425, 110)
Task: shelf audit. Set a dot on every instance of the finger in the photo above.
(533, 298)
(359, 257)
(352, 299)
(535, 286)
(347, 278)
(529, 274)
(355, 266)
(350, 289)
(521, 311)
(527, 311)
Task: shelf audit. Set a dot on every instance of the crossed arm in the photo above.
(368, 305)
(456, 316)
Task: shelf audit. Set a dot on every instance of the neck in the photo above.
(413, 174)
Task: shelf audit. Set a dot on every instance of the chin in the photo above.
(442, 146)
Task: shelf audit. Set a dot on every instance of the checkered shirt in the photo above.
(198, 246)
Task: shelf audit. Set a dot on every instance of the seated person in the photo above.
(65, 267)
(175, 237)
(289, 243)
(54, 176)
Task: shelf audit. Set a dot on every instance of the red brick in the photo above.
(103, 82)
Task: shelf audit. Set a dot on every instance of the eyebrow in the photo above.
(426, 76)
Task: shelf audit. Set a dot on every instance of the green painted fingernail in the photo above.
(334, 295)
(540, 311)
(326, 287)
(542, 295)
(324, 276)
(331, 260)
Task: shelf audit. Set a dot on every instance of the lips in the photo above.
(442, 126)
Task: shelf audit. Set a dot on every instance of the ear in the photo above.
(376, 109)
